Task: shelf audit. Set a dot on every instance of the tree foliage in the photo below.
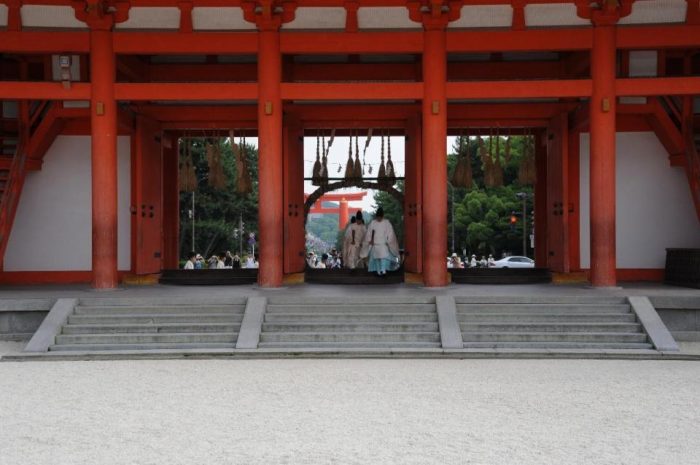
(482, 215)
(217, 212)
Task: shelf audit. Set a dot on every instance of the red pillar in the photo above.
(344, 215)
(434, 161)
(602, 157)
(541, 201)
(412, 231)
(103, 120)
(270, 157)
(171, 202)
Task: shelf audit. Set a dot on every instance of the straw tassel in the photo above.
(350, 166)
(390, 172)
(317, 170)
(357, 172)
(244, 184)
(527, 174)
(462, 174)
(381, 175)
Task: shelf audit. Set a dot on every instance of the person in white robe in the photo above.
(380, 245)
(352, 242)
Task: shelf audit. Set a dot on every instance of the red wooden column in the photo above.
(541, 201)
(294, 233)
(434, 159)
(103, 120)
(270, 154)
(602, 156)
(171, 202)
(412, 231)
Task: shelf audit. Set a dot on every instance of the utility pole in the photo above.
(523, 196)
(240, 234)
(453, 219)
(194, 248)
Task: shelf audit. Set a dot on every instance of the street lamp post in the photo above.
(523, 196)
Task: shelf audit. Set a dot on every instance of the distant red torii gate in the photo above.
(343, 208)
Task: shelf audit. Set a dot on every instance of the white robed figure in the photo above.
(380, 245)
(352, 242)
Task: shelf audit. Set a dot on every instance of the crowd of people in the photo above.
(226, 260)
(373, 247)
(455, 261)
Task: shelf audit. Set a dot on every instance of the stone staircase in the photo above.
(325, 322)
(130, 324)
(568, 322)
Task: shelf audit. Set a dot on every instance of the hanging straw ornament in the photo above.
(188, 175)
(390, 172)
(364, 152)
(244, 184)
(324, 160)
(182, 165)
(507, 154)
(350, 166)
(318, 168)
(462, 174)
(527, 174)
(381, 175)
(487, 161)
(217, 178)
(357, 172)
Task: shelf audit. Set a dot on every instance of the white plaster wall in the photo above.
(53, 225)
(654, 206)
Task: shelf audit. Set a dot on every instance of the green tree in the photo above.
(218, 212)
(482, 215)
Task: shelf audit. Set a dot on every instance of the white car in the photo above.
(514, 262)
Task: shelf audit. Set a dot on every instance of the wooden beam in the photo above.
(524, 41)
(19, 90)
(658, 86)
(519, 89)
(44, 42)
(352, 91)
(186, 91)
(158, 43)
(351, 43)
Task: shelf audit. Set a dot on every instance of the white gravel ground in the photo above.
(350, 412)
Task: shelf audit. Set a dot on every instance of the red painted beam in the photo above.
(525, 41)
(199, 91)
(157, 43)
(658, 86)
(352, 91)
(351, 43)
(44, 42)
(188, 113)
(519, 89)
(17, 90)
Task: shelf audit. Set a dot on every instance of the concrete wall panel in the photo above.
(53, 226)
(654, 207)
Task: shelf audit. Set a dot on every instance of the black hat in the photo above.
(380, 212)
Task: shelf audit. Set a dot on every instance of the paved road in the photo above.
(350, 412)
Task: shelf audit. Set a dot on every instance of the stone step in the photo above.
(542, 299)
(152, 328)
(156, 318)
(349, 308)
(552, 337)
(558, 345)
(172, 309)
(148, 347)
(349, 345)
(540, 308)
(341, 318)
(360, 326)
(564, 317)
(146, 338)
(351, 337)
(358, 299)
(179, 301)
(498, 327)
